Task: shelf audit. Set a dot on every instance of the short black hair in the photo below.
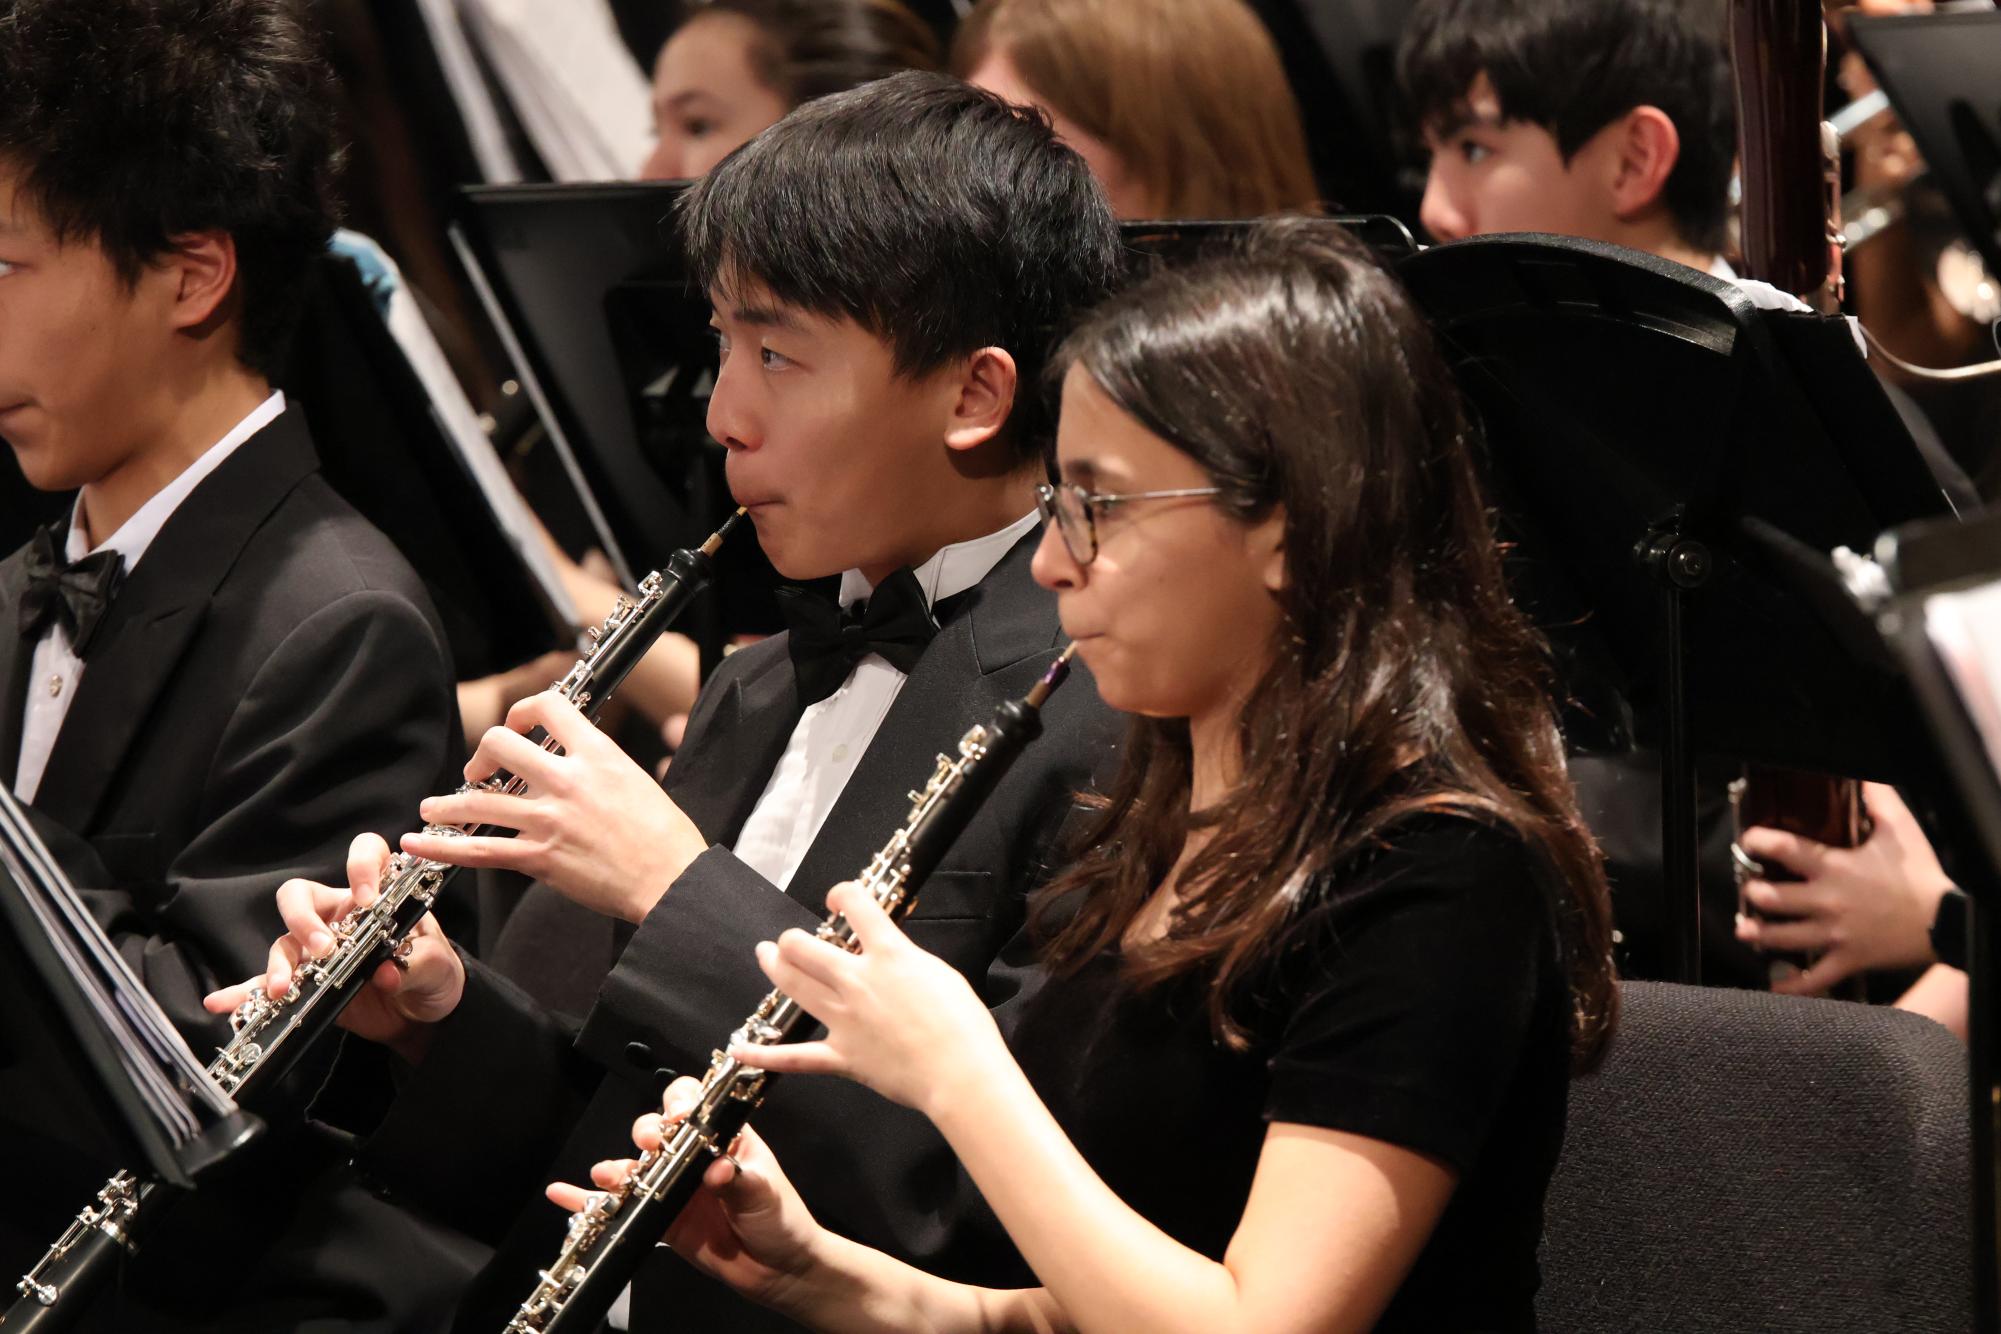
(132, 122)
(1575, 66)
(935, 215)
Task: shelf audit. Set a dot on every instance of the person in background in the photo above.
(1614, 120)
(1180, 106)
(734, 67)
(1607, 119)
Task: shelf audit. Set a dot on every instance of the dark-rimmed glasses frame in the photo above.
(1075, 511)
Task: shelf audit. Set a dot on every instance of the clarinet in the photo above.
(269, 1036)
(613, 1234)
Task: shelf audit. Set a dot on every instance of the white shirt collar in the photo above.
(1763, 295)
(137, 533)
(953, 569)
(1767, 297)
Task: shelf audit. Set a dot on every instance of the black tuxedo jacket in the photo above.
(269, 681)
(472, 1131)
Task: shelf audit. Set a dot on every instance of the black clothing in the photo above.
(74, 593)
(269, 681)
(531, 1098)
(1418, 999)
(827, 641)
(1620, 799)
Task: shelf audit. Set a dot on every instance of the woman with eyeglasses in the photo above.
(1335, 939)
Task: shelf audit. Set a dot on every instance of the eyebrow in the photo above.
(764, 317)
(1460, 119)
(1088, 474)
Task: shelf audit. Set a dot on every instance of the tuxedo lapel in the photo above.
(757, 713)
(14, 663)
(992, 626)
(158, 611)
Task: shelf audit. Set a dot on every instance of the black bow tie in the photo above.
(76, 594)
(826, 642)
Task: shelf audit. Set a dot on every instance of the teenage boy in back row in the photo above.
(1614, 120)
(888, 269)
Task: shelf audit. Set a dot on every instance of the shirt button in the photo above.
(55, 686)
(841, 753)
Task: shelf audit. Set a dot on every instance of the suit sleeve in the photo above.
(343, 729)
(500, 1072)
(688, 976)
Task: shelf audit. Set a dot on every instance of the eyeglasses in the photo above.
(1075, 511)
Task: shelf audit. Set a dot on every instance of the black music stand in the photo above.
(611, 342)
(383, 446)
(1942, 73)
(1156, 244)
(86, 1057)
(1662, 452)
(1939, 613)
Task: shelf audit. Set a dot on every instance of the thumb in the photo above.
(745, 1191)
(1828, 969)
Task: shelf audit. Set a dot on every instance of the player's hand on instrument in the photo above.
(899, 1019)
(747, 1226)
(592, 824)
(1858, 908)
(401, 999)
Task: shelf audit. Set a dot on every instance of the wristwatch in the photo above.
(1948, 930)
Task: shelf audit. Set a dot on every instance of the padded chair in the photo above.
(1745, 1161)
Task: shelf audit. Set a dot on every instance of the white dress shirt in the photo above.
(55, 670)
(831, 735)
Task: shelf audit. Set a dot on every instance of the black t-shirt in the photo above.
(1418, 1000)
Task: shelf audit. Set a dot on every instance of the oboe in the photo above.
(269, 1035)
(612, 1234)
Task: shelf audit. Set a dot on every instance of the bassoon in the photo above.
(1790, 163)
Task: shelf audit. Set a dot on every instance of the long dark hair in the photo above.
(1296, 372)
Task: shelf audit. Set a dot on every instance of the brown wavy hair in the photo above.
(1190, 94)
(1402, 680)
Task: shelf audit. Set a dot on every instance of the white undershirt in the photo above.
(828, 742)
(55, 671)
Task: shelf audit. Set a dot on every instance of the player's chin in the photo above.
(797, 550)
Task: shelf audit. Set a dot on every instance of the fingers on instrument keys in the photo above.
(367, 864)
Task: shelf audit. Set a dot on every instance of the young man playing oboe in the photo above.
(216, 670)
(888, 268)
